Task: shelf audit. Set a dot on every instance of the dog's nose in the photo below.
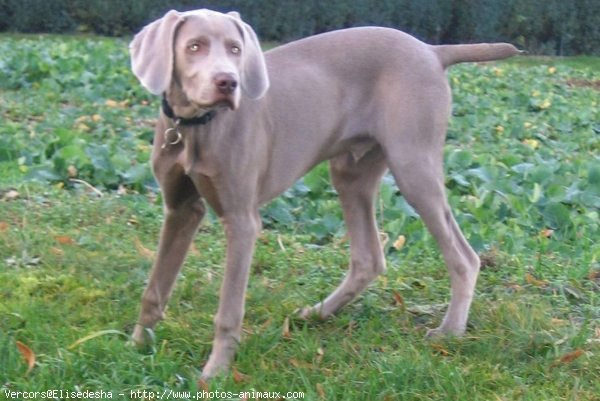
(225, 83)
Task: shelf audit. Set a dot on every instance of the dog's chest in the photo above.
(196, 157)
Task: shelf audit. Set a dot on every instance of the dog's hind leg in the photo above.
(422, 185)
(418, 171)
(356, 183)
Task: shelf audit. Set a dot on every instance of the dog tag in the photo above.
(172, 137)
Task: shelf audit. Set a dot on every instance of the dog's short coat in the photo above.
(366, 99)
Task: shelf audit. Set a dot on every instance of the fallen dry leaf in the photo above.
(57, 251)
(398, 299)
(320, 390)
(64, 240)
(344, 240)
(594, 274)
(239, 377)
(569, 357)
(83, 127)
(440, 349)
(265, 325)
(300, 364)
(28, 354)
(285, 331)
(399, 243)
(194, 251)
(530, 279)
(142, 250)
(81, 119)
(4, 226)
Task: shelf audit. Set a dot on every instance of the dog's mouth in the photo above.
(221, 103)
(192, 108)
(225, 103)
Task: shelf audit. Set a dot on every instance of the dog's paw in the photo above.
(305, 313)
(444, 332)
(207, 375)
(434, 333)
(221, 357)
(310, 313)
(214, 367)
(142, 337)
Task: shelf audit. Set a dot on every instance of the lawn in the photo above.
(80, 214)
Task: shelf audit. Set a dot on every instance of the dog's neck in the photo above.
(199, 120)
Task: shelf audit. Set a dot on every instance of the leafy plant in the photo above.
(521, 155)
(63, 122)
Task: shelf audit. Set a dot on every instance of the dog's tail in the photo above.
(454, 54)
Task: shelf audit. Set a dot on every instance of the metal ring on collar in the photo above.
(168, 135)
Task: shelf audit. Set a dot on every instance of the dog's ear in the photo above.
(254, 76)
(235, 15)
(152, 52)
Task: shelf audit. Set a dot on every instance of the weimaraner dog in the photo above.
(237, 128)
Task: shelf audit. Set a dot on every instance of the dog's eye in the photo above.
(194, 47)
(235, 49)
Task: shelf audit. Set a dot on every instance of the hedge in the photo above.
(556, 27)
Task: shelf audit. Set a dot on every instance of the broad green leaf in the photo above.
(557, 216)
(537, 193)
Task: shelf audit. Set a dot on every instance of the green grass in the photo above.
(78, 266)
(523, 175)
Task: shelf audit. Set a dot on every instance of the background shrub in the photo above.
(541, 26)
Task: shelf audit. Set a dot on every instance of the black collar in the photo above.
(200, 120)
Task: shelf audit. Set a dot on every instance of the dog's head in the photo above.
(201, 59)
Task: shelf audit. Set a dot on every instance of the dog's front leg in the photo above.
(179, 228)
(241, 230)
